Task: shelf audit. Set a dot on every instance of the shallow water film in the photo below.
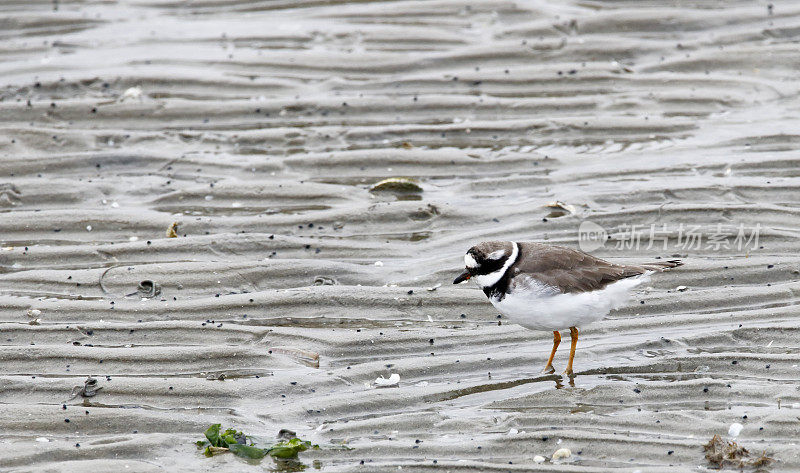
(251, 212)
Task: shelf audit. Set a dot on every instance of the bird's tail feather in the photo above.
(633, 270)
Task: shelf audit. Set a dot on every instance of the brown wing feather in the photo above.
(572, 271)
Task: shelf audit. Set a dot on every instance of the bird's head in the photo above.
(486, 262)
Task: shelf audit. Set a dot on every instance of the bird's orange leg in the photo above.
(556, 340)
(573, 332)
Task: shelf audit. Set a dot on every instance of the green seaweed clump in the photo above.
(230, 440)
(290, 448)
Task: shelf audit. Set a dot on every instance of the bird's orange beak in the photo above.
(462, 277)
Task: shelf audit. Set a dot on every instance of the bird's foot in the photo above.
(569, 372)
(549, 369)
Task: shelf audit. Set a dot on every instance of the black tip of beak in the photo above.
(462, 277)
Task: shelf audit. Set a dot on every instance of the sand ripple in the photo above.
(259, 126)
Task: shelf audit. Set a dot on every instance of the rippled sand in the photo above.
(259, 127)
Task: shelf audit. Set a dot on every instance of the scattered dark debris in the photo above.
(723, 453)
(89, 389)
(147, 289)
(323, 281)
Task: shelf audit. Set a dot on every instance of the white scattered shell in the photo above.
(209, 197)
(538, 459)
(88, 228)
(735, 429)
(133, 238)
(42, 439)
(559, 206)
(513, 431)
(115, 205)
(132, 93)
(393, 380)
(433, 288)
(379, 263)
(34, 312)
(561, 453)
(681, 288)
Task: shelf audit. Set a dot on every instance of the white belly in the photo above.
(539, 310)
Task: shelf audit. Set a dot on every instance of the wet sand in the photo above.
(259, 128)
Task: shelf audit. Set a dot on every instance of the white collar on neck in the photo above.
(489, 280)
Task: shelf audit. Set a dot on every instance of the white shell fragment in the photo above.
(132, 93)
(735, 429)
(393, 380)
(538, 459)
(558, 205)
(34, 312)
(681, 288)
(559, 209)
(561, 453)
